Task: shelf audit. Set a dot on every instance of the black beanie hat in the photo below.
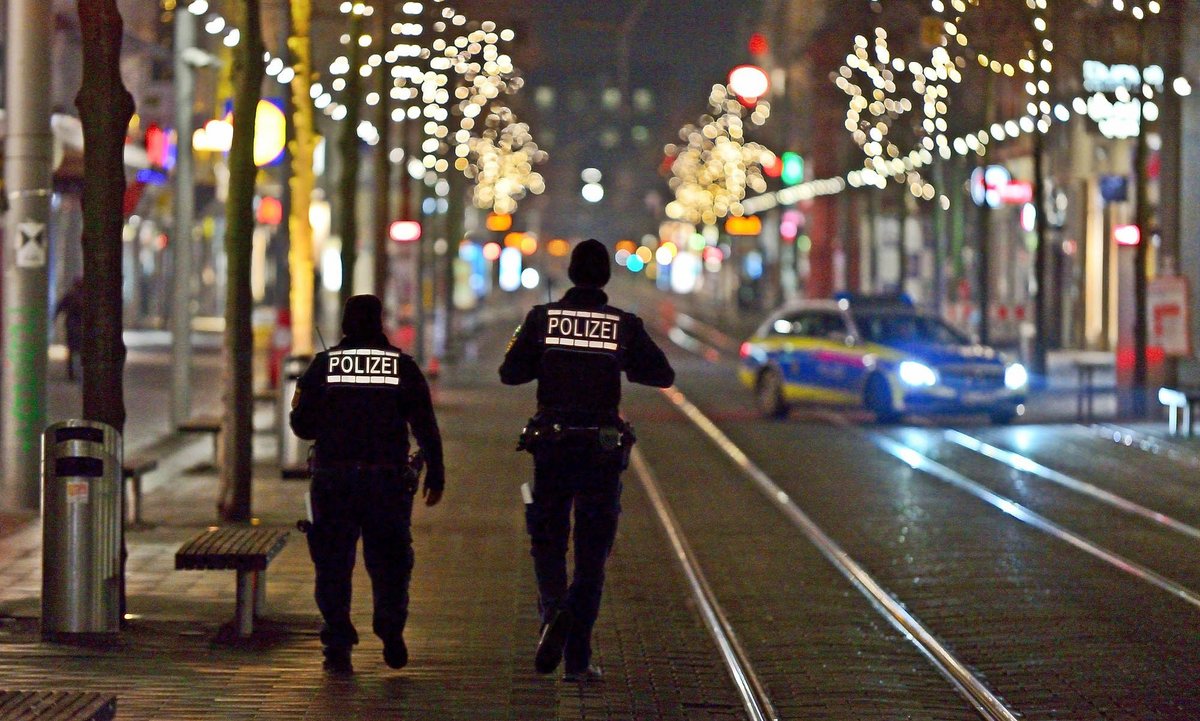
(362, 317)
(589, 264)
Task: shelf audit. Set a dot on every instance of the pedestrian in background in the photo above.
(70, 307)
(576, 349)
(357, 401)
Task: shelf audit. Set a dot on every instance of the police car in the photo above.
(879, 353)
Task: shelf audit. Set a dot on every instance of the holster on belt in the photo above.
(615, 437)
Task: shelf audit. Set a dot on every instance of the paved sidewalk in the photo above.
(472, 627)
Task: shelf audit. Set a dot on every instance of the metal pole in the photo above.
(940, 223)
(1042, 321)
(383, 163)
(1141, 251)
(185, 202)
(27, 158)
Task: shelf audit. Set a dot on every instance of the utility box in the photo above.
(293, 451)
(81, 529)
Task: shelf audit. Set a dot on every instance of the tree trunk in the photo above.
(105, 108)
(348, 145)
(236, 427)
(300, 250)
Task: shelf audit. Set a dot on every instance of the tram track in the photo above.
(983, 700)
(1015, 461)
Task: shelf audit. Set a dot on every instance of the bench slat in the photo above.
(138, 465)
(57, 706)
(248, 549)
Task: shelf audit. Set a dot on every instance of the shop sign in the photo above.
(1169, 321)
(1100, 77)
(1119, 119)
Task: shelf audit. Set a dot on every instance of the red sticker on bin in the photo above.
(77, 491)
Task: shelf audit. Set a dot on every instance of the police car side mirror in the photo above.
(840, 337)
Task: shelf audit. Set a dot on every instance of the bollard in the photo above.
(293, 451)
(81, 529)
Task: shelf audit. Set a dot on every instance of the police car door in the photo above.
(836, 363)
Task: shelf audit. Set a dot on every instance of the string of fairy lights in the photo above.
(875, 81)
(715, 165)
(460, 73)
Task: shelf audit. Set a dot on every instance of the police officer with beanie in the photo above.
(576, 349)
(357, 401)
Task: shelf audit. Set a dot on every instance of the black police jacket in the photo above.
(576, 349)
(357, 401)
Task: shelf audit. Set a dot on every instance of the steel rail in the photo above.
(1130, 437)
(754, 696)
(920, 462)
(1028, 465)
(981, 698)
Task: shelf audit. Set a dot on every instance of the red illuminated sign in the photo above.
(270, 211)
(1016, 192)
(404, 231)
(1128, 235)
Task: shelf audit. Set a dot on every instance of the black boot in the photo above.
(554, 637)
(337, 660)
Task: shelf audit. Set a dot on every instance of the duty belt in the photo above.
(609, 437)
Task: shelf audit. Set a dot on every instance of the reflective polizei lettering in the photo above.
(364, 366)
(582, 329)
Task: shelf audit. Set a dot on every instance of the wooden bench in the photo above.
(132, 469)
(1180, 403)
(246, 550)
(57, 706)
(205, 424)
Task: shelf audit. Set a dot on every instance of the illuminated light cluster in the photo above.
(876, 106)
(715, 165)
(501, 161)
(215, 24)
(871, 77)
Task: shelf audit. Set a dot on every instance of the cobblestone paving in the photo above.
(472, 627)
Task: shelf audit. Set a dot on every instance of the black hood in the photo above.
(362, 318)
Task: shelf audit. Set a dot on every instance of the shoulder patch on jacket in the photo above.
(513, 339)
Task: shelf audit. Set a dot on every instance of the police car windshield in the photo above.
(905, 328)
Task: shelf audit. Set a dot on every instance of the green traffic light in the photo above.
(793, 168)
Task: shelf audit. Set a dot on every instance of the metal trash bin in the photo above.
(81, 529)
(293, 451)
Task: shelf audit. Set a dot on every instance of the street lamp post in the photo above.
(181, 307)
(27, 158)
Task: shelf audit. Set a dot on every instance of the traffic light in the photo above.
(793, 169)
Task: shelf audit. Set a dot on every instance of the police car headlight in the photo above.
(917, 374)
(1015, 377)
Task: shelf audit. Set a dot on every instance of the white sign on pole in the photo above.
(1169, 324)
(31, 244)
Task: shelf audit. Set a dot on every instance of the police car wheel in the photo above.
(878, 400)
(770, 394)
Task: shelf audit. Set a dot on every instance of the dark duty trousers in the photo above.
(567, 475)
(376, 504)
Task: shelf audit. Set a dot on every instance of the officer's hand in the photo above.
(431, 495)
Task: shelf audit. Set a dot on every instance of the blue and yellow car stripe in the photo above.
(857, 360)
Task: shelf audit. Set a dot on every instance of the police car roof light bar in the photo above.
(883, 300)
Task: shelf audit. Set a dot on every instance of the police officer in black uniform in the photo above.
(357, 401)
(576, 349)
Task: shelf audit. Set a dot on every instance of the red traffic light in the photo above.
(404, 231)
(758, 44)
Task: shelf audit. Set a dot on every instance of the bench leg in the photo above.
(245, 602)
(133, 501)
(260, 593)
(1186, 412)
